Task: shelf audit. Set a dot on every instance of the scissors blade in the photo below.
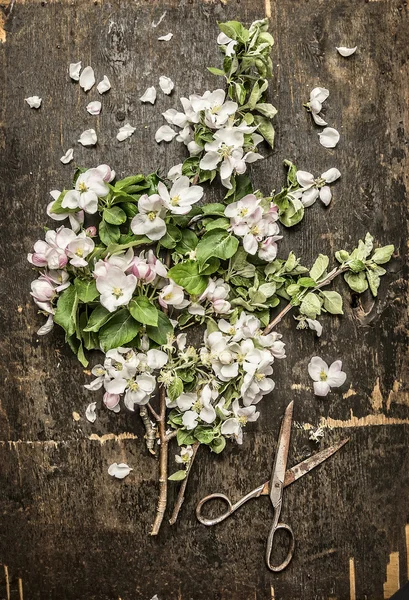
(280, 461)
(305, 466)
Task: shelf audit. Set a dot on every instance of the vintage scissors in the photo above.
(274, 488)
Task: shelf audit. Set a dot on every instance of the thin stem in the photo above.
(153, 412)
(334, 273)
(150, 434)
(171, 435)
(181, 495)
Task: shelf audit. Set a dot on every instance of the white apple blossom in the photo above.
(216, 110)
(185, 456)
(139, 390)
(68, 156)
(125, 132)
(150, 220)
(313, 188)
(34, 101)
(87, 79)
(325, 377)
(317, 96)
(197, 406)
(166, 84)
(104, 85)
(74, 70)
(79, 249)
(88, 137)
(52, 251)
(234, 425)
(329, 137)
(147, 268)
(173, 295)
(88, 188)
(94, 108)
(181, 196)
(116, 288)
(76, 219)
(343, 51)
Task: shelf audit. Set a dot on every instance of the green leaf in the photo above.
(234, 30)
(265, 128)
(306, 282)
(356, 266)
(66, 312)
(172, 237)
(143, 310)
(319, 267)
(178, 476)
(114, 215)
(221, 223)
(108, 234)
(342, 256)
(81, 356)
(56, 207)
(291, 174)
(383, 255)
(204, 435)
(184, 438)
(211, 266)
(215, 71)
(268, 289)
(311, 306)
(120, 330)
(267, 110)
(188, 242)
(140, 240)
(86, 290)
(243, 187)
(188, 276)
(293, 213)
(240, 91)
(333, 303)
(214, 209)
(216, 243)
(218, 444)
(175, 389)
(160, 333)
(374, 280)
(356, 281)
(98, 318)
(122, 184)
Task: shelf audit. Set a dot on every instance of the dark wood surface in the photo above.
(68, 530)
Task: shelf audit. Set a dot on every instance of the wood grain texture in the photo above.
(67, 530)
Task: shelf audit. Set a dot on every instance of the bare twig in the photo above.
(153, 412)
(150, 433)
(181, 495)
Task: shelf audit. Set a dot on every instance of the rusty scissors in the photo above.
(280, 479)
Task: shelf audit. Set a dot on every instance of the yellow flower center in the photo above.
(117, 292)
(243, 212)
(232, 330)
(259, 376)
(79, 252)
(132, 385)
(323, 376)
(225, 150)
(242, 420)
(216, 108)
(118, 366)
(151, 216)
(82, 187)
(255, 230)
(175, 200)
(197, 406)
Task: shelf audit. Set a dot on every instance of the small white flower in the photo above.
(149, 95)
(116, 288)
(88, 188)
(125, 132)
(90, 413)
(346, 51)
(313, 188)
(172, 295)
(68, 156)
(316, 435)
(104, 85)
(120, 470)
(325, 377)
(166, 84)
(34, 101)
(165, 134)
(185, 455)
(234, 425)
(329, 137)
(150, 220)
(94, 108)
(75, 69)
(87, 79)
(88, 137)
(79, 249)
(165, 38)
(317, 96)
(181, 196)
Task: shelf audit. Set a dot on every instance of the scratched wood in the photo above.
(68, 531)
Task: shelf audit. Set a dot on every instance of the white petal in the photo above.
(75, 69)
(316, 366)
(309, 197)
(319, 94)
(156, 359)
(165, 38)
(325, 195)
(149, 95)
(104, 85)
(304, 178)
(315, 326)
(165, 134)
(175, 172)
(120, 470)
(90, 413)
(87, 79)
(47, 327)
(346, 51)
(88, 137)
(166, 84)
(321, 388)
(94, 108)
(68, 156)
(318, 120)
(331, 175)
(329, 137)
(125, 132)
(34, 101)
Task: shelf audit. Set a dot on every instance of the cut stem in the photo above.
(181, 495)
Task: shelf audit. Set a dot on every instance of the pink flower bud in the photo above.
(91, 231)
(111, 400)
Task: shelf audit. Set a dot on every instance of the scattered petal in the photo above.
(165, 38)
(346, 51)
(90, 413)
(104, 85)
(329, 137)
(165, 134)
(325, 195)
(68, 156)
(125, 132)
(88, 137)
(94, 108)
(47, 327)
(149, 95)
(120, 470)
(166, 84)
(34, 101)
(318, 120)
(87, 79)
(75, 69)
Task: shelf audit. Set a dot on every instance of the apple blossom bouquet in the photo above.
(161, 260)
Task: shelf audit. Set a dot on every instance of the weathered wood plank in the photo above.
(68, 530)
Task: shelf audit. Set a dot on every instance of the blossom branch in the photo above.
(181, 495)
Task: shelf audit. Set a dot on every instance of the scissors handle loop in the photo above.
(231, 508)
(269, 548)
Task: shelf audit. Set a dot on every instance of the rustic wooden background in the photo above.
(70, 532)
